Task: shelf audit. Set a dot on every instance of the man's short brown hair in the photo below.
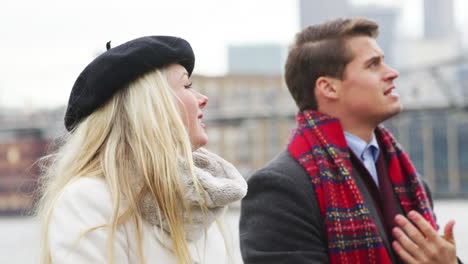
(320, 50)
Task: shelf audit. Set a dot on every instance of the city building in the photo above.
(439, 19)
(20, 150)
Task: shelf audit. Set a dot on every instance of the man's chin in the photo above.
(398, 109)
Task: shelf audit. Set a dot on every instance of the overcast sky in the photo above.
(45, 44)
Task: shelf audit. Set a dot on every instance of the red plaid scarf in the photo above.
(319, 145)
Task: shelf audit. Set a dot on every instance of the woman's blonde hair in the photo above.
(134, 142)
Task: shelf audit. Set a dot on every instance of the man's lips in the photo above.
(389, 90)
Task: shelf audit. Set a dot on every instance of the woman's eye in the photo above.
(188, 86)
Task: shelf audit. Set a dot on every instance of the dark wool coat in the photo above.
(280, 217)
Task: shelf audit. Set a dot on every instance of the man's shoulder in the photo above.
(282, 166)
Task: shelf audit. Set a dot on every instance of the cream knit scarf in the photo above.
(222, 184)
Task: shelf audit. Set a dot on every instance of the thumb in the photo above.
(448, 232)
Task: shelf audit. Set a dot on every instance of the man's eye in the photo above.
(372, 64)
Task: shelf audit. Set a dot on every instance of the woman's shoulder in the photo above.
(86, 186)
(78, 226)
(87, 199)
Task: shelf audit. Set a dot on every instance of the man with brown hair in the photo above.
(343, 191)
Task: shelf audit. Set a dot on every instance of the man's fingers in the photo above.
(448, 232)
(420, 241)
(423, 225)
(406, 243)
(403, 253)
(411, 231)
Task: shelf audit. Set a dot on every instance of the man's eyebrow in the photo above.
(376, 58)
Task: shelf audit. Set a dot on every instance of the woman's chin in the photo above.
(199, 142)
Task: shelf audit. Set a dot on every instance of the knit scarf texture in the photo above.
(222, 184)
(319, 145)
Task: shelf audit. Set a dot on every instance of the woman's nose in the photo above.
(203, 100)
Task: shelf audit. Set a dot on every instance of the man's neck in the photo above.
(363, 130)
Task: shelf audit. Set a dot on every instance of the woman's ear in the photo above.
(327, 88)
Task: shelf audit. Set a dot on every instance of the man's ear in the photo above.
(327, 87)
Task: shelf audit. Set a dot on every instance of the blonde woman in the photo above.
(130, 183)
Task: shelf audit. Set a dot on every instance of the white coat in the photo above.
(85, 204)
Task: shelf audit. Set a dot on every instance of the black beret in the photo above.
(118, 67)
